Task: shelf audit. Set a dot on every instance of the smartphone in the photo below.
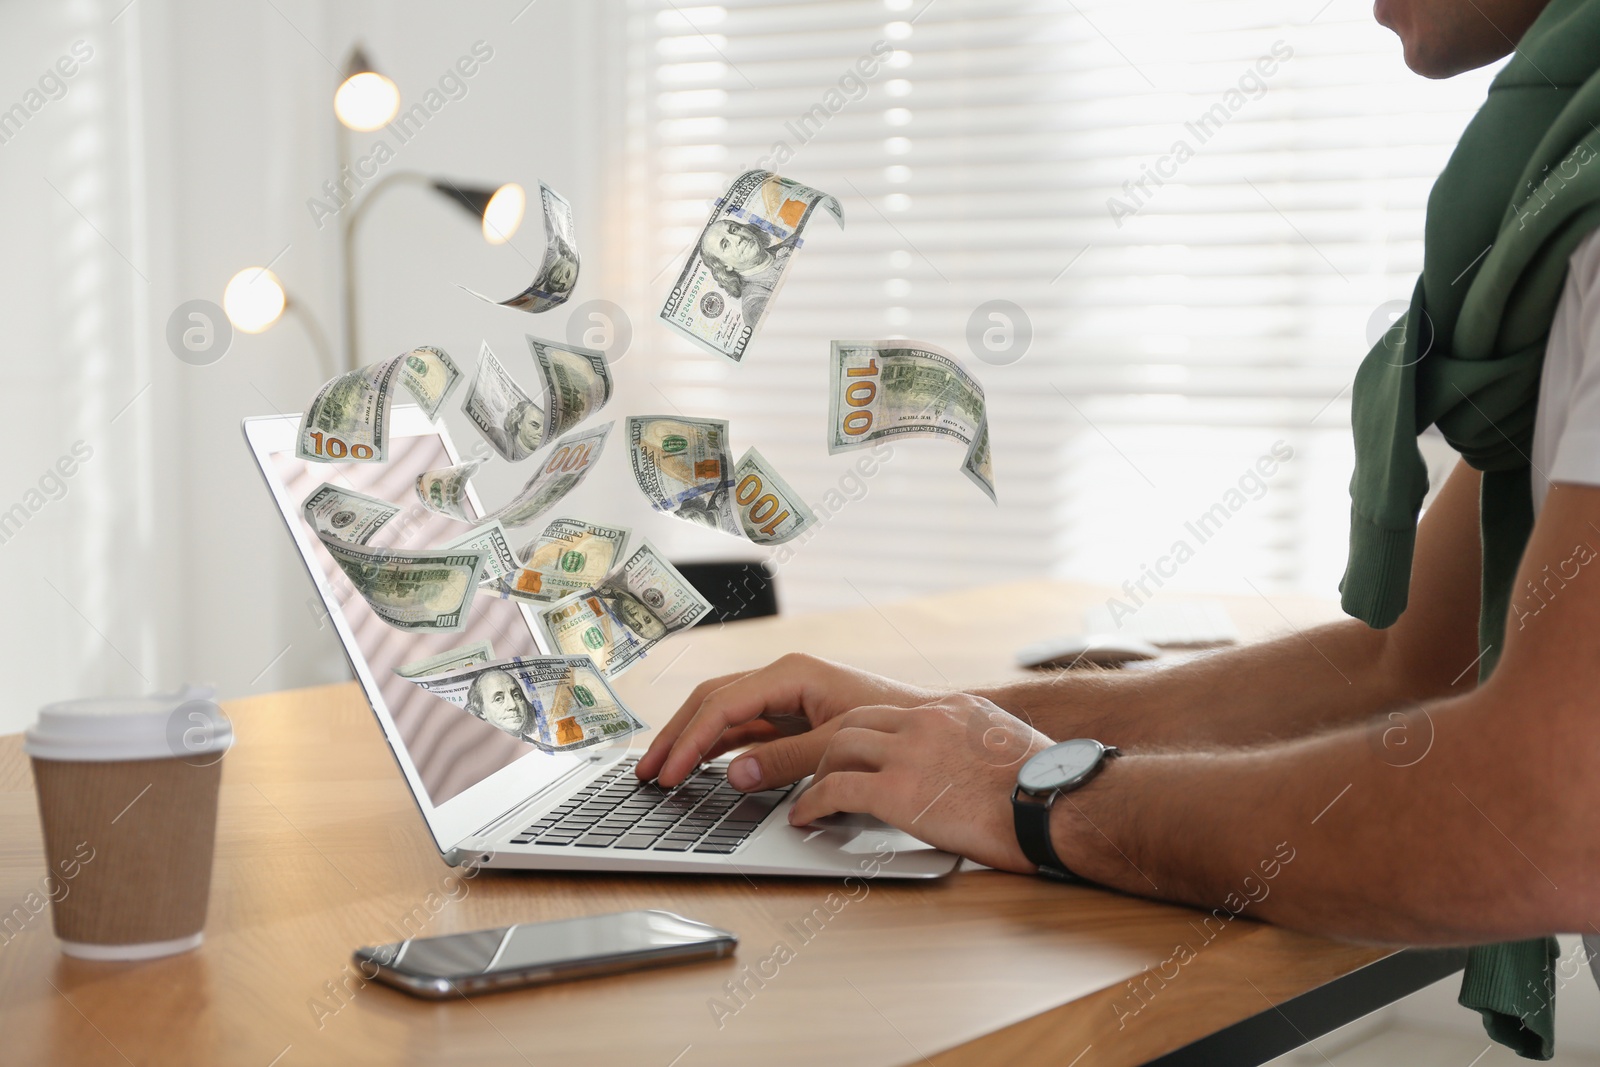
(509, 957)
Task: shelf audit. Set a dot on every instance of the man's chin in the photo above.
(1423, 61)
(1438, 50)
(1437, 64)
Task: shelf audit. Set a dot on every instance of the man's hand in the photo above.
(943, 772)
(789, 709)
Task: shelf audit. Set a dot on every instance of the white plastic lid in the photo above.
(160, 726)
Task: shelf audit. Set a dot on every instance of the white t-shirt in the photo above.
(1566, 433)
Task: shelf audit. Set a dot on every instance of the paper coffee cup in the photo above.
(128, 800)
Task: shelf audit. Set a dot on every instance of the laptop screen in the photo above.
(447, 752)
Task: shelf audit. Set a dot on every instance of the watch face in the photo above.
(1060, 765)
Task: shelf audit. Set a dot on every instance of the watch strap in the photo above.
(1032, 818)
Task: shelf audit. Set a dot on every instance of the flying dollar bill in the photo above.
(683, 467)
(454, 659)
(569, 556)
(577, 383)
(735, 268)
(430, 375)
(348, 420)
(427, 590)
(769, 511)
(558, 272)
(557, 703)
(445, 489)
(345, 514)
(502, 410)
(977, 464)
(885, 389)
(568, 463)
(490, 539)
(634, 609)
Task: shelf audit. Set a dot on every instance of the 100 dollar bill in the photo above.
(887, 389)
(454, 659)
(683, 467)
(557, 703)
(348, 420)
(573, 457)
(577, 383)
(736, 267)
(503, 411)
(490, 539)
(620, 620)
(770, 512)
(429, 590)
(571, 555)
(430, 376)
(445, 489)
(345, 514)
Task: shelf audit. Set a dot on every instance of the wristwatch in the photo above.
(1061, 768)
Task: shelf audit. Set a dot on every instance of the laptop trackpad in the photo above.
(864, 834)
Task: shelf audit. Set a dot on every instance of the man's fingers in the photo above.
(781, 762)
(844, 791)
(778, 688)
(854, 749)
(650, 763)
(692, 703)
(856, 740)
(758, 732)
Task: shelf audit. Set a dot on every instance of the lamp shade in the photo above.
(504, 213)
(499, 210)
(253, 300)
(365, 100)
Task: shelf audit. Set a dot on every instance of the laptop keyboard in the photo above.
(703, 814)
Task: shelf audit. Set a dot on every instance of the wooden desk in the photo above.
(320, 849)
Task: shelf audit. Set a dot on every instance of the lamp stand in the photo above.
(352, 222)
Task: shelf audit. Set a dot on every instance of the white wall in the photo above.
(84, 557)
(190, 143)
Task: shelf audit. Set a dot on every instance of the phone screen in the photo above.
(538, 947)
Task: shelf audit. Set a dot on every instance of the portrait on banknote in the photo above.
(497, 699)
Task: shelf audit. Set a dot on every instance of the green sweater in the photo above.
(1521, 190)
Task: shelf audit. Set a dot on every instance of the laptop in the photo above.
(490, 799)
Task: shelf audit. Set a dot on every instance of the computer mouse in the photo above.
(1086, 650)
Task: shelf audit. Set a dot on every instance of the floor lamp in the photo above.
(367, 101)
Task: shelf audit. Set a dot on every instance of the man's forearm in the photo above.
(1468, 843)
(1466, 819)
(1297, 684)
(1283, 688)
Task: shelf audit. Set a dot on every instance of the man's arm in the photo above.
(1340, 673)
(1289, 687)
(1479, 828)
(1488, 832)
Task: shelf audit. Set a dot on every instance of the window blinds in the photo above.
(1194, 213)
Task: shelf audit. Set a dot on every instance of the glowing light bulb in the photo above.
(253, 300)
(504, 213)
(366, 101)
